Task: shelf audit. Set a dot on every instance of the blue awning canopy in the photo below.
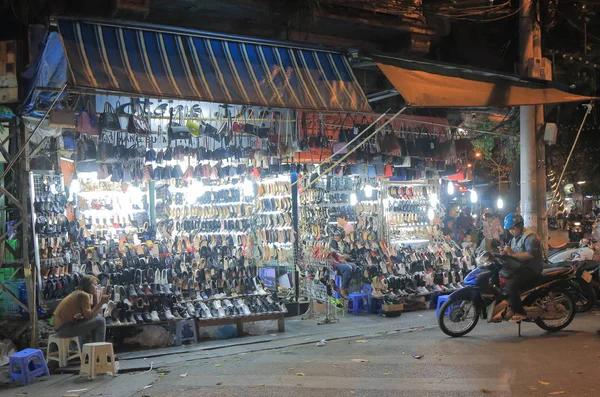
(179, 64)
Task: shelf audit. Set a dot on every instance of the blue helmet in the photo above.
(513, 219)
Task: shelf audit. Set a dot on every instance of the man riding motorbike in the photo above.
(525, 246)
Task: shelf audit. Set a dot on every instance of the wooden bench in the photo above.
(239, 321)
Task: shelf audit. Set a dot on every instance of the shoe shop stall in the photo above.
(383, 198)
(176, 154)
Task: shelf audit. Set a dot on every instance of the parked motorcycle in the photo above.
(549, 303)
(575, 231)
(584, 251)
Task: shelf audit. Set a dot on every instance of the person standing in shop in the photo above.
(78, 313)
(464, 222)
(339, 260)
(560, 219)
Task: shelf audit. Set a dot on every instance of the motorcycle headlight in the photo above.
(577, 223)
(484, 259)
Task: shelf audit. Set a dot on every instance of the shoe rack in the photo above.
(54, 252)
(407, 208)
(273, 221)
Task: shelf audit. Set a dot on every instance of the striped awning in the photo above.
(179, 64)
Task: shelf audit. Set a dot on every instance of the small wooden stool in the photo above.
(63, 353)
(97, 358)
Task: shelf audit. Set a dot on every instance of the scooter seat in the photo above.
(555, 271)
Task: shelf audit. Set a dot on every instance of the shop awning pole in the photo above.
(22, 149)
(356, 147)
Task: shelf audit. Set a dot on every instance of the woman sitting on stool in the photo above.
(78, 313)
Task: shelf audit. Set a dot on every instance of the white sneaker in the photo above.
(191, 309)
(154, 315)
(169, 315)
(108, 309)
(259, 289)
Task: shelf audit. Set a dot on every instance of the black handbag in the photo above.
(138, 123)
(177, 131)
(109, 120)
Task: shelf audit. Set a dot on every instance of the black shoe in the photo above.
(139, 291)
(131, 292)
(138, 318)
(146, 317)
(130, 318)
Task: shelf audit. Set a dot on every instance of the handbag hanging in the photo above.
(346, 133)
(176, 131)
(138, 122)
(87, 121)
(109, 120)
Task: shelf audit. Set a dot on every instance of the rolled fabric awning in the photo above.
(426, 84)
(181, 64)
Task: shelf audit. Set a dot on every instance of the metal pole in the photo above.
(529, 37)
(542, 203)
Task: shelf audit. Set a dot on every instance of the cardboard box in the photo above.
(9, 94)
(393, 308)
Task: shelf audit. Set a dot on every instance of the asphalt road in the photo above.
(491, 361)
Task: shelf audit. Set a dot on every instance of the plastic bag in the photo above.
(7, 347)
(151, 336)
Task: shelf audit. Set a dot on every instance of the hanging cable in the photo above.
(562, 174)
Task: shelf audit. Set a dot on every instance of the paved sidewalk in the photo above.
(298, 332)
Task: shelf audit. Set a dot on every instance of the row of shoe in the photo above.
(144, 310)
(57, 287)
(47, 202)
(336, 183)
(51, 224)
(283, 204)
(223, 211)
(412, 192)
(274, 220)
(198, 284)
(277, 188)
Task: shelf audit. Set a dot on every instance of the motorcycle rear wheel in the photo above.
(566, 299)
(452, 311)
(585, 296)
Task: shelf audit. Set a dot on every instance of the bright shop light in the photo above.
(430, 214)
(368, 191)
(474, 196)
(450, 188)
(248, 188)
(500, 203)
(353, 199)
(434, 200)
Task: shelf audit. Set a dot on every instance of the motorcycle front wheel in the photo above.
(458, 318)
(563, 297)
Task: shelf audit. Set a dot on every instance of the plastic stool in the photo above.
(180, 331)
(358, 303)
(63, 353)
(440, 302)
(97, 358)
(338, 283)
(23, 365)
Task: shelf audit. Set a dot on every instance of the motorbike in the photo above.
(575, 231)
(548, 303)
(585, 294)
(584, 251)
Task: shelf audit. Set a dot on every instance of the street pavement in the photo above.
(491, 361)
